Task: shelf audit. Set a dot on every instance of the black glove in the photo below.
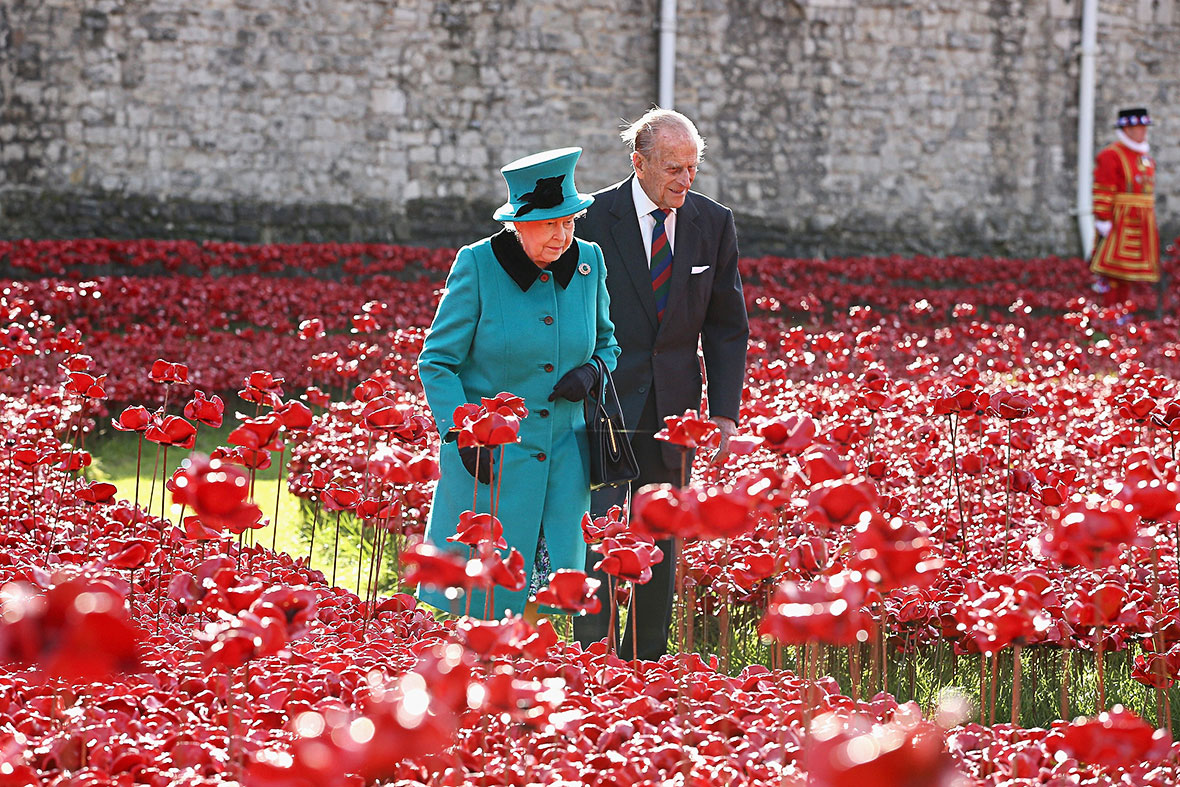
(478, 462)
(576, 383)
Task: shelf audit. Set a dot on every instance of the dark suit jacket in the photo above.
(705, 303)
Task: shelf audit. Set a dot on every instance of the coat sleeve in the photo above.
(448, 342)
(726, 329)
(1107, 182)
(606, 346)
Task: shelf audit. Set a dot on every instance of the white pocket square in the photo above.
(699, 269)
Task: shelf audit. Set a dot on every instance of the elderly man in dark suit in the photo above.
(672, 274)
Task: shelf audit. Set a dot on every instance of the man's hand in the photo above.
(728, 429)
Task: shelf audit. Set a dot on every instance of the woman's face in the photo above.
(545, 241)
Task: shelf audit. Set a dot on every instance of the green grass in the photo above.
(114, 455)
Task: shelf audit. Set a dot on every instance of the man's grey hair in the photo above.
(640, 136)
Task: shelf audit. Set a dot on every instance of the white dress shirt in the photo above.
(647, 222)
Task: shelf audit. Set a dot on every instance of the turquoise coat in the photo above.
(504, 325)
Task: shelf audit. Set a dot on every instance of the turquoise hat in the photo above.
(541, 187)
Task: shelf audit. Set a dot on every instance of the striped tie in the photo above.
(661, 262)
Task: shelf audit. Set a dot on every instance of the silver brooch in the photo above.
(584, 269)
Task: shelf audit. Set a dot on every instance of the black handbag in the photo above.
(612, 462)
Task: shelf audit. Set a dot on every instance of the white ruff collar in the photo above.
(1139, 147)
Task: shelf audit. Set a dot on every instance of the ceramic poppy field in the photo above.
(944, 551)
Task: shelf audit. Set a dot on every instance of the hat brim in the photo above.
(568, 207)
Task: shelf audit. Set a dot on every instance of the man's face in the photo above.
(668, 172)
(1136, 133)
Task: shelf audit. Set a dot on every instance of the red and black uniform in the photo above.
(1124, 195)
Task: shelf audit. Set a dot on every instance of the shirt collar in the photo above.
(643, 204)
(1139, 147)
(524, 271)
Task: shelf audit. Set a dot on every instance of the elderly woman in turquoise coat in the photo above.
(524, 311)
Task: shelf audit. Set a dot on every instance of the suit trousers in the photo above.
(651, 602)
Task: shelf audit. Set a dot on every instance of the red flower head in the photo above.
(75, 630)
(217, 493)
(258, 434)
(572, 591)
(1134, 406)
(840, 503)
(98, 492)
(790, 436)
(1010, 406)
(172, 430)
(341, 498)
(664, 511)
(953, 400)
(859, 752)
(209, 412)
(488, 429)
(369, 389)
(690, 431)
(506, 404)
(829, 610)
(628, 559)
(892, 554)
(1148, 491)
(1115, 739)
(165, 372)
(311, 329)
(595, 529)
(262, 387)
(1088, 534)
(479, 530)
(495, 570)
(86, 385)
(427, 565)
(1105, 605)
(295, 415)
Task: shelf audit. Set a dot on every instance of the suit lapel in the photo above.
(628, 239)
(685, 254)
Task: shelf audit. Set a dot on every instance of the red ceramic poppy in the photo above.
(167, 372)
(690, 430)
(208, 411)
(483, 531)
(171, 430)
(571, 591)
(217, 493)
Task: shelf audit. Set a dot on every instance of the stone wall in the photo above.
(834, 126)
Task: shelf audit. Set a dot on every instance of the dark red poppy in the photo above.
(571, 591)
(295, 415)
(690, 430)
(97, 492)
(479, 530)
(133, 419)
(171, 430)
(1115, 739)
(209, 412)
(790, 436)
(166, 372)
(87, 385)
(826, 610)
(217, 493)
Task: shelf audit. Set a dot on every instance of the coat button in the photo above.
(544, 277)
(548, 367)
(541, 457)
(543, 413)
(642, 389)
(548, 320)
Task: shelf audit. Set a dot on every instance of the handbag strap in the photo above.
(606, 385)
